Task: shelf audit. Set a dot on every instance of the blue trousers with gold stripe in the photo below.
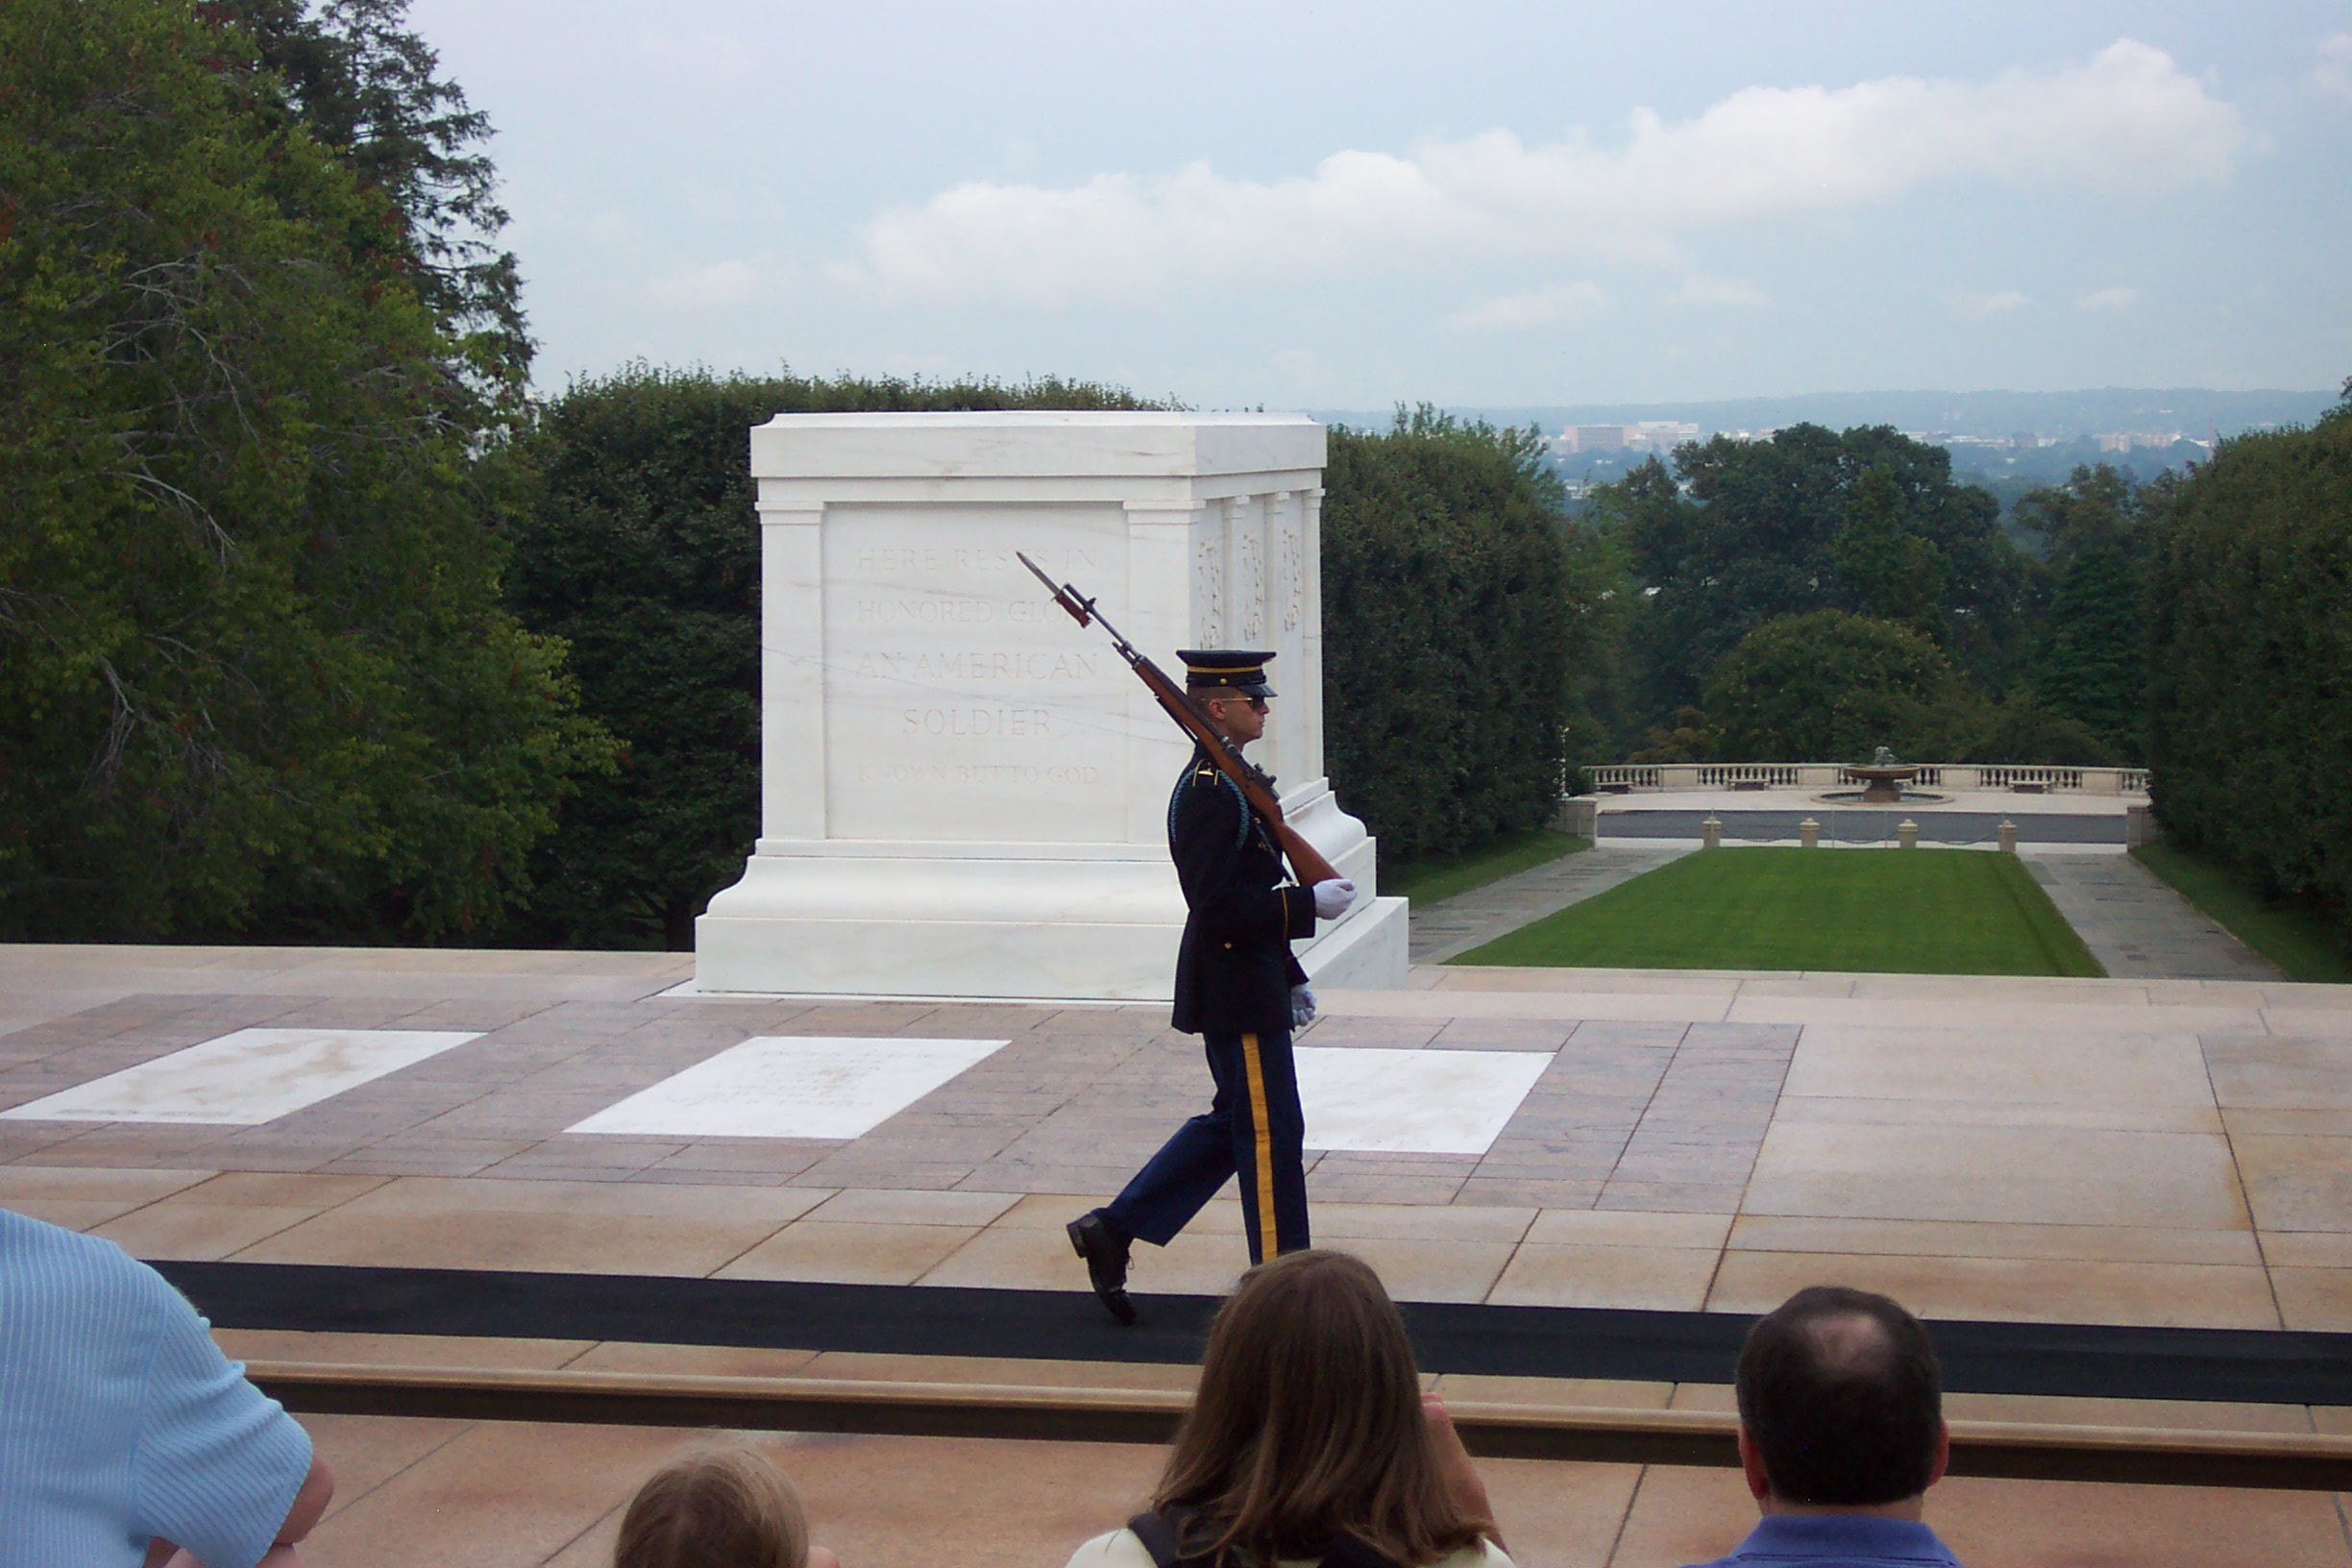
(1252, 1129)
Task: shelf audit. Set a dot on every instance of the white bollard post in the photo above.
(2008, 837)
(1906, 834)
(1808, 833)
(1710, 833)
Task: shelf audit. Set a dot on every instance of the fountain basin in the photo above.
(1860, 797)
(1884, 784)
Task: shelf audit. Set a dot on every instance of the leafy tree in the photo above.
(1866, 521)
(1884, 570)
(254, 672)
(639, 547)
(2023, 731)
(1446, 684)
(1682, 738)
(1828, 686)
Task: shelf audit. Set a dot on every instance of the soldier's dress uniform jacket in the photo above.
(1234, 974)
(1235, 971)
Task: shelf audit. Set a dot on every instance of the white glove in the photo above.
(1302, 1007)
(1333, 898)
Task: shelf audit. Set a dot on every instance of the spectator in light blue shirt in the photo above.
(1841, 1432)
(126, 1437)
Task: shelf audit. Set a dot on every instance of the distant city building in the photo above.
(1659, 434)
(2127, 440)
(1643, 435)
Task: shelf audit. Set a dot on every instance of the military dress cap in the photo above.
(1226, 668)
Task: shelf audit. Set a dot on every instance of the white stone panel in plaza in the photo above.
(246, 1078)
(962, 792)
(1412, 1102)
(791, 1085)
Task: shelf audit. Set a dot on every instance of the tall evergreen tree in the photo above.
(366, 86)
(2090, 648)
(2091, 665)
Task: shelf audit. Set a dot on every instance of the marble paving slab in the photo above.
(245, 1078)
(776, 1085)
(1412, 1102)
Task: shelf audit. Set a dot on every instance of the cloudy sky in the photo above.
(1341, 205)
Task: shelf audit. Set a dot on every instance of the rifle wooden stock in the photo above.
(1306, 863)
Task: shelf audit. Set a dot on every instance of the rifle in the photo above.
(1255, 785)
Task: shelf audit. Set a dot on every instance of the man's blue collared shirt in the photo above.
(1838, 1540)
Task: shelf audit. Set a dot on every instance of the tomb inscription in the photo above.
(959, 704)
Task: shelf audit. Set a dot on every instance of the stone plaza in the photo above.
(2112, 1153)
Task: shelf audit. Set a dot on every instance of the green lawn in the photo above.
(1442, 876)
(2297, 939)
(1886, 910)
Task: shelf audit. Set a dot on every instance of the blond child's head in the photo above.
(715, 1508)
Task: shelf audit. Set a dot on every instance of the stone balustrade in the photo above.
(1645, 778)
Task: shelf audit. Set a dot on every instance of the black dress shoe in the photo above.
(1105, 1252)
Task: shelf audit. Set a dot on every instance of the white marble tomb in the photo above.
(965, 793)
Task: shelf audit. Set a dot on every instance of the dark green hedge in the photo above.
(1444, 632)
(2251, 709)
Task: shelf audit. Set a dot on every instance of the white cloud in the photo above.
(705, 287)
(1547, 306)
(2333, 73)
(2128, 122)
(1731, 291)
(2118, 298)
(2000, 303)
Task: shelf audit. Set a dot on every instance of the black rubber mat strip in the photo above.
(2087, 1359)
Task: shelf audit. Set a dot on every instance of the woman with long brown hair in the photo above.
(1310, 1441)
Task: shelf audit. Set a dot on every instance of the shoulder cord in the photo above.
(1249, 818)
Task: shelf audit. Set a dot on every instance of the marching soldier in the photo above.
(1239, 988)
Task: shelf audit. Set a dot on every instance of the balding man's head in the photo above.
(1840, 1392)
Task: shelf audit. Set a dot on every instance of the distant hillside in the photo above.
(2198, 412)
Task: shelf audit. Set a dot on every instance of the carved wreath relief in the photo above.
(1291, 582)
(1249, 570)
(1209, 590)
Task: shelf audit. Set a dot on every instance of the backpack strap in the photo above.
(1350, 1552)
(1161, 1534)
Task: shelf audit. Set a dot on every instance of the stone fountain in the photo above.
(1884, 778)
